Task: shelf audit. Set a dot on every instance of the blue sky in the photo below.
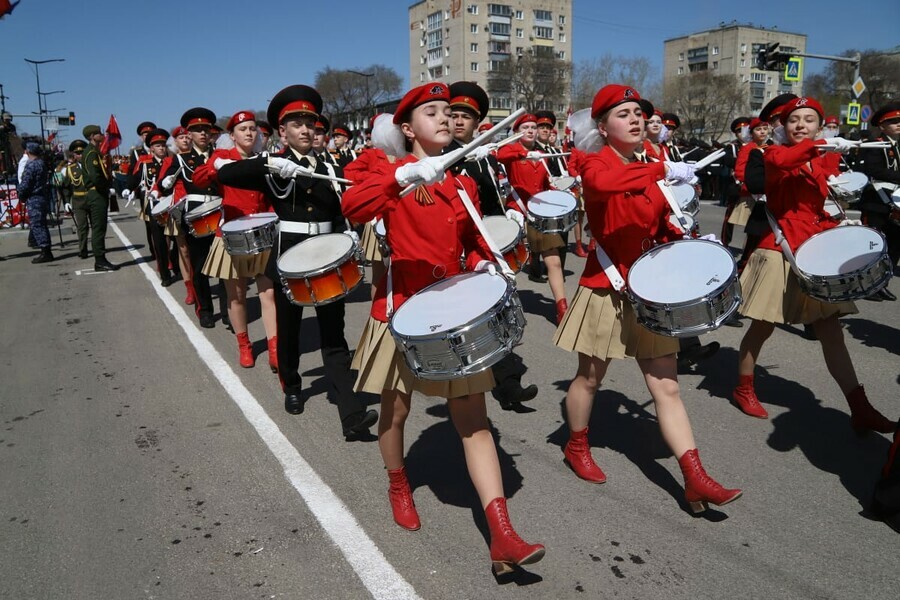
(138, 60)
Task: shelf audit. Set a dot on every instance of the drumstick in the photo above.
(708, 160)
(544, 155)
(312, 175)
(503, 142)
(860, 144)
(452, 157)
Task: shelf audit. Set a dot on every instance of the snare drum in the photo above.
(381, 236)
(250, 234)
(459, 326)
(692, 226)
(321, 269)
(687, 199)
(161, 210)
(684, 288)
(511, 240)
(843, 263)
(848, 187)
(552, 211)
(204, 220)
(564, 183)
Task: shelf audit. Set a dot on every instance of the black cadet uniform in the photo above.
(132, 178)
(314, 202)
(197, 247)
(140, 181)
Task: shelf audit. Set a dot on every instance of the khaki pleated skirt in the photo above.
(369, 241)
(172, 228)
(742, 209)
(600, 323)
(381, 366)
(772, 293)
(224, 266)
(540, 242)
(142, 215)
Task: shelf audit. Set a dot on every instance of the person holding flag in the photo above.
(97, 182)
(111, 141)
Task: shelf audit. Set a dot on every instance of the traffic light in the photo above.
(769, 59)
(71, 118)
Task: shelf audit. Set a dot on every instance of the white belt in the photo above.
(313, 228)
(201, 198)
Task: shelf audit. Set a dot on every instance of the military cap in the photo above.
(889, 111)
(773, 108)
(324, 124)
(198, 116)
(648, 109)
(90, 130)
(469, 95)
(738, 123)
(156, 136)
(545, 117)
(145, 127)
(342, 129)
(671, 120)
(294, 100)
(264, 126)
(77, 145)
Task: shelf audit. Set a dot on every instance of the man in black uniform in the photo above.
(131, 192)
(343, 153)
(882, 165)
(142, 179)
(305, 207)
(469, 104)
(730, 188)
(198, 122)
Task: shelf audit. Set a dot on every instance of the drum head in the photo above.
(162, 206)
(852, 182)
(205, 208)
(840, 250)
(552, 203)
(504, 231)
(249, 222)
(690, 222)
(564, 182)
(684, 194)
(681, 271)
(831, 208)
(316, 253)
(380, 229)
(448, 304)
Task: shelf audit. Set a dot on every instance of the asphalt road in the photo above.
(139, 461)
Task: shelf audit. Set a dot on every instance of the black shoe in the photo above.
(537, 278)
(734, 322)
(809, 333)
(167, 281)
(83, 254)
(293, 403)
(511, 400)
(887, 294)
(101, 264)
(207, 321)
(691, 356)
(357, 425)
(44, 256)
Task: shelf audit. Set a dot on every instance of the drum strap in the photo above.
(673, 204)
(615, 277)
(513, 192)
(781, 241)
(479, 224)
(337, 188)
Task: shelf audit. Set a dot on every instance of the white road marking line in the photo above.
(376, 573)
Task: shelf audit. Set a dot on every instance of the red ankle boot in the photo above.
(191, 298)
(273, 353)
(579, 249)
(746, 399)
(507, 548)
(245, 350)
(700, 488)
(561, 307)
(592, 246)
(864, 416)
(402, 504)
(578, 455)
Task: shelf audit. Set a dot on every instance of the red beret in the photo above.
(239, 117)
(832, 120)
(526, 118)
(179, 131)
(756, 122)
(610, 96)
(797, 103)
(419, 96)
(484, 127)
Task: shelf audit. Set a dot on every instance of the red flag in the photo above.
(6, 7)
(51, 137)
(113, 136)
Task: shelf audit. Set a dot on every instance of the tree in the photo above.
(706, 103)
(537, 80)
(594, 73)
(354, 92)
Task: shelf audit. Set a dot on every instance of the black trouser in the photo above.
(199, 249)
(508, 376)
(150, 245)
(335, 352)
(159, 245)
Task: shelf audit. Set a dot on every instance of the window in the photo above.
(543, 15)
(472, 9)
(499, 10)
(681, 70)
(473, 66)
(760, 77)
(473, 47)
(495, 65)
(447, 51)
(562, 36)
(743, 47)
(715, 64)
(715, 50)
(769, 80)
(500, 28)
(498, 47)
(421, 77)
(519, 15)
(519, 51)
(562, 19)
(434, 55)
(435, 39)
(435, 20)
(473, 28)
(543, 33)
(422, 60)
(520, 33)
(680, 56)
(500, 102)
(743, 62)
(561, 55)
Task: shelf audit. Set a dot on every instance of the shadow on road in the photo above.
(874, 335)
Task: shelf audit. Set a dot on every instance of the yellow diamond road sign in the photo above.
(859, 87)
(794, 69)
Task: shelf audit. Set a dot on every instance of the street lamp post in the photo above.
(368, 97)
(37, 75)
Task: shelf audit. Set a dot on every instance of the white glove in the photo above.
(534, 155)
(112, 191)
(353, 236)
(288, 168)
(126, 194)
(711, 237)
(486, 266)
(426, 170)
(839, 144)
(514, 215)
(849, 222)
(680, 172)
(167, 181)
(221, 162)
(479, 153)
(68, 208)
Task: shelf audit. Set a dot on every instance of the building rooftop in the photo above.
(735, 25)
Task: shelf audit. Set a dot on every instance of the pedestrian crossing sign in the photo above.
(853, 110)
(794, 69)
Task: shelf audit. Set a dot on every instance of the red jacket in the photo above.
(740, 165)
(626, 210)
(796, 187)
(527, 177)
(235, 201)
(363, 163)
(426, 240)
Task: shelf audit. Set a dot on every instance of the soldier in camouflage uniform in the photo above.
(97, 182)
